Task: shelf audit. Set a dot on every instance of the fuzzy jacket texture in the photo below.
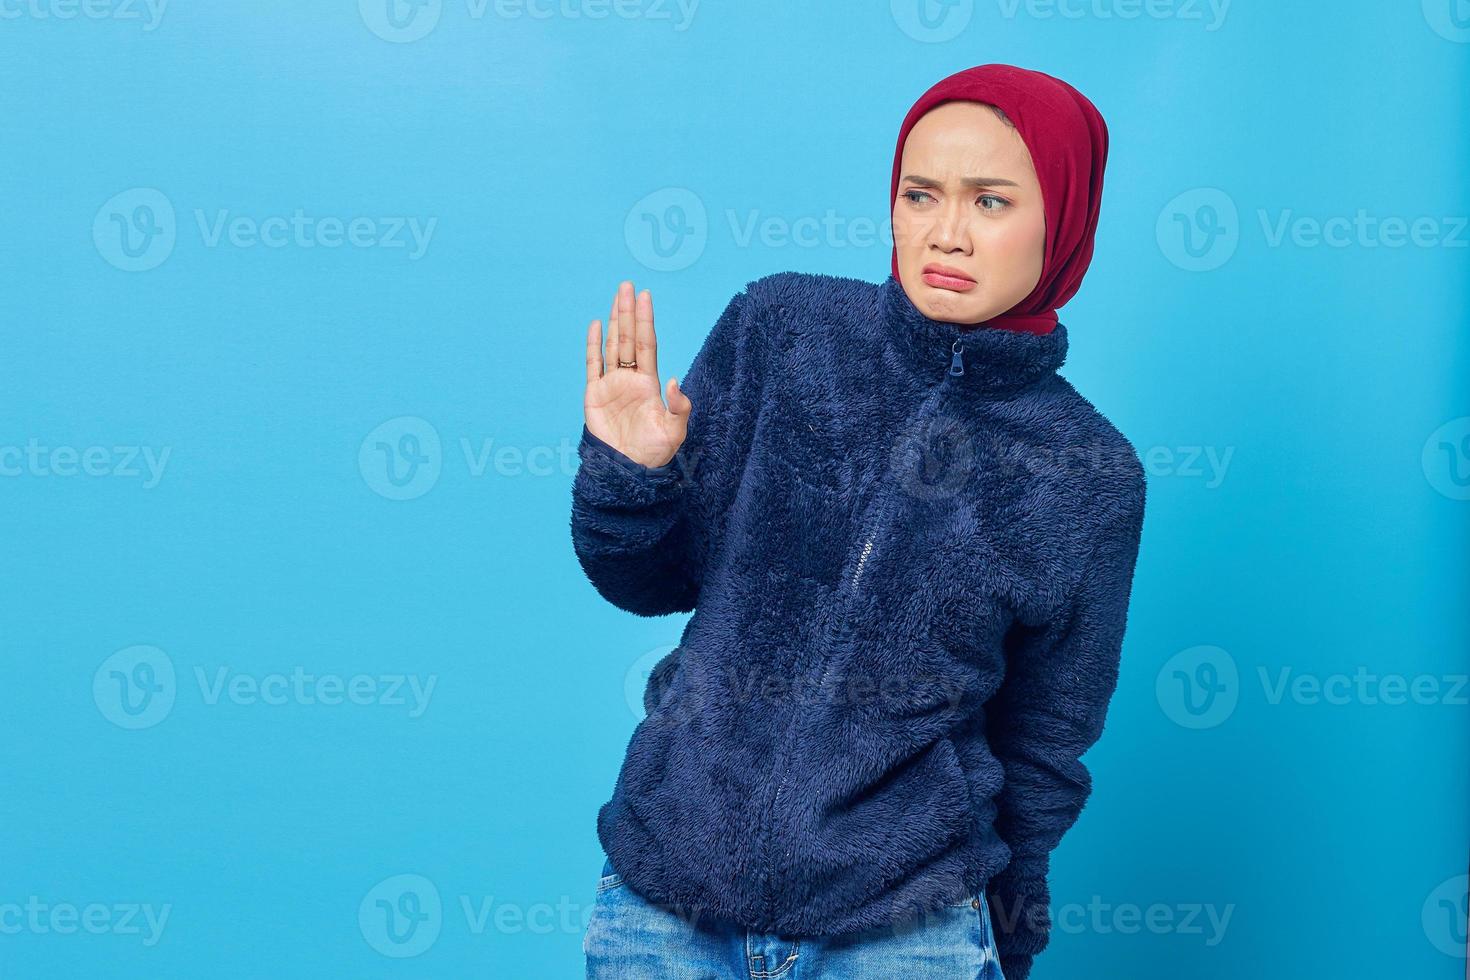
(908, 549)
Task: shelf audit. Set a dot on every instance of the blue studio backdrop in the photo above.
(301, 675)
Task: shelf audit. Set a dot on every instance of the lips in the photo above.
(947, 277)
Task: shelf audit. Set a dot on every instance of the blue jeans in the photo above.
(631, 938)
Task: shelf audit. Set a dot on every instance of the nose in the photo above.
(948, 233)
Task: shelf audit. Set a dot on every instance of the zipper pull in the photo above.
(956, 364)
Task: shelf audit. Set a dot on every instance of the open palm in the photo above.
(622, 404)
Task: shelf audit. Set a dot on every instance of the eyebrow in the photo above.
(966, 181)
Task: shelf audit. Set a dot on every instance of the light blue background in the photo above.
(1330, 536)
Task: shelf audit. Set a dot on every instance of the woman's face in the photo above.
(968, 221)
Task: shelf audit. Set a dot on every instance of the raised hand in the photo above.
(622, 404)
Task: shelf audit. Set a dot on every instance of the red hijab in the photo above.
(1068, 141)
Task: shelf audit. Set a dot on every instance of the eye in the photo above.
(910, 195)
(1001, 203)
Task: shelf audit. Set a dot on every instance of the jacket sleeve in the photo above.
(1049, 710)
(643, 534)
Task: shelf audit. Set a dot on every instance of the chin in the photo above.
(946, 304)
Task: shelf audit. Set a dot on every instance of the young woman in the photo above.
(908, 545)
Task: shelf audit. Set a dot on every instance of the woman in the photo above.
(908, 546)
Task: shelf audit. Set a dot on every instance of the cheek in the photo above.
(1015, 248)
(905, 229)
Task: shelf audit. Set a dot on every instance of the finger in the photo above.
(645, 344)
(612, 330)
(594, 351)
(679, 403)
(626, 329)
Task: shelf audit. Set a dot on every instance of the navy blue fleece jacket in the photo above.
(908, 549)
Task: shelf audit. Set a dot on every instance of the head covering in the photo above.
(1068, 141)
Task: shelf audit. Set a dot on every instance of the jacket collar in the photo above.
(992, 358)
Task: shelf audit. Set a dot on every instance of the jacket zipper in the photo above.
(850, 582)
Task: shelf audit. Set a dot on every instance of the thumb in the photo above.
(679, 402)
